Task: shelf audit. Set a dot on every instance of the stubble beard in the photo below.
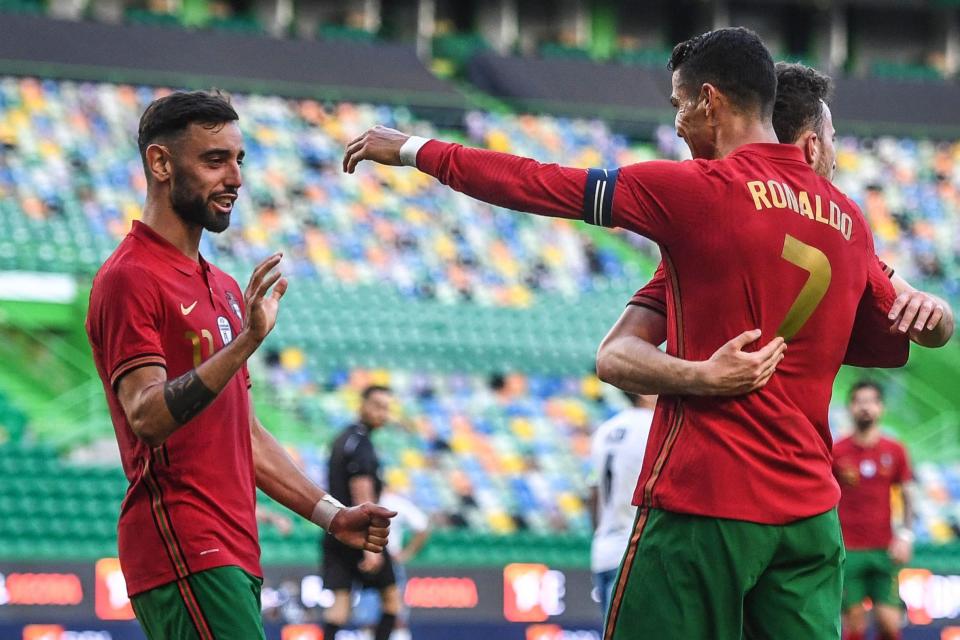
(192, 207)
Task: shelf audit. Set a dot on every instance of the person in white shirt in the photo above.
(402, 548)
(616, 452)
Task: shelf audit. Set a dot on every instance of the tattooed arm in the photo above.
(156, 407)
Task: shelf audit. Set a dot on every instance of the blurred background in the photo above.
(484, 323)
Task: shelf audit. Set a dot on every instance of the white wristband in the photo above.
(409, 150)
(325, 509)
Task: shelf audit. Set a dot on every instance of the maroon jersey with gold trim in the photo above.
(190, 503)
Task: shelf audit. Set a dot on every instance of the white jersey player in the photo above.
(616, 452)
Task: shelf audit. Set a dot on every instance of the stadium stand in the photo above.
(398, 281)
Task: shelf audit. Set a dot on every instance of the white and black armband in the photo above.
(598, 197)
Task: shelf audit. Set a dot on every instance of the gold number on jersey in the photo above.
(817, 265)
(195, 341)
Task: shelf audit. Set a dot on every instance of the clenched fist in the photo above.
(366, 526)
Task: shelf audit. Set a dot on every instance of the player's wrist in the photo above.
(696, 377)
(247, 341)
(409, 150)
(325, 510)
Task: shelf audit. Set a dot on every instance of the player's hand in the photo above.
(371, 562)
(366, 526)
(914, 312)
(379, 144)
(731, 371)
(261, 303)
(900, 550)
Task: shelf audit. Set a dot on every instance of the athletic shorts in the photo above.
(686, 576)
(870, 573)
(341, 568)
(218, 603)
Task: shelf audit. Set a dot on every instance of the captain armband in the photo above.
(598, 197)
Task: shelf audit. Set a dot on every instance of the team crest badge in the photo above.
(225, 331)
(868, 468)
(849, 476)
(232, 300)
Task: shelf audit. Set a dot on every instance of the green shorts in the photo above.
(870, 573)
(221, 603)
(687, 576)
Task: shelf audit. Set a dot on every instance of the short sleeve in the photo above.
(125, 317)
(653, 295)
(871, 343)
(660, 199)
(361, 461)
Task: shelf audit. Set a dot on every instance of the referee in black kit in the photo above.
(354, 478)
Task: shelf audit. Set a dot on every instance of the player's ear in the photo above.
(158, 162)
(811, 147)
(710, 98)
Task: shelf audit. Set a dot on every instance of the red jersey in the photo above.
(190, 503)
(866, 475)
(653, 295)
(755, 239)
(871, 343)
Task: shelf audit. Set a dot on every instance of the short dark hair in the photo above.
(735, 61)
(372, 389)
(172, 114)
(865, 384)
(801, 92)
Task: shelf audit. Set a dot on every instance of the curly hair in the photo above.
(735, 61)
(801, 92)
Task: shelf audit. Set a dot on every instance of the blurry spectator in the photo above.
(616, 453)
(354, 478)
(868, 465)
(409, 531)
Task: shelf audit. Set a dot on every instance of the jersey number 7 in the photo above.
(817, 266)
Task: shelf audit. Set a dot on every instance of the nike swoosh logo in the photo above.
(186, 310)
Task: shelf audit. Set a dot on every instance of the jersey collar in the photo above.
(771, 150)
(166, 252)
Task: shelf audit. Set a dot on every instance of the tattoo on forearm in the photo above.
(186, 396)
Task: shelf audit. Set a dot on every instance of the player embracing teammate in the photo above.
(737, 530)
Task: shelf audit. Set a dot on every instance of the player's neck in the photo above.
(170, 226)
(868, 437)
(738, 131)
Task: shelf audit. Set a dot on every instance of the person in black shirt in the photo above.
(354, 478)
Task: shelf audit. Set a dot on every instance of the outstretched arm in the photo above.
(364, 527)
(501, 179)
